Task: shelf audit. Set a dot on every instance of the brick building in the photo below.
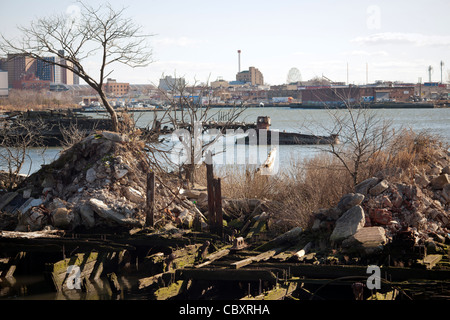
(114, 88)
(252, 75)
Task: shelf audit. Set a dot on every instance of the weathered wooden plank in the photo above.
(214, 274)
(337, 271)
(213, 257)
(77, 267)
(157, 278)
(260, 257)
(430, 261)
(10, 265)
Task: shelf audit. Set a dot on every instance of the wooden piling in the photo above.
(150, 215)
(218, 207)
(210, 191)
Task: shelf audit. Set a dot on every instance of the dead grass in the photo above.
(23, 100)
(308, 186)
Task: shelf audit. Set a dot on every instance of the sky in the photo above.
(344, 40)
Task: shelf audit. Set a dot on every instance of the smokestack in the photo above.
(239, 60)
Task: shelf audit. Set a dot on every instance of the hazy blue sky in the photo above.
(199, 39)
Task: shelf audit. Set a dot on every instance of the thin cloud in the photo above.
(381, 53)
(416, 39)
(179, 42)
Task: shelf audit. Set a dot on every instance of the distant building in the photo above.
(45, 69)
(19, 67)
(219, 83)
(169, 83)
(64, 75)
(252, 75)
(114, 88)
(4, 90)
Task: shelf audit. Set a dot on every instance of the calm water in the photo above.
(320, 122)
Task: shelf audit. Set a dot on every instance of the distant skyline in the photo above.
(396, 40)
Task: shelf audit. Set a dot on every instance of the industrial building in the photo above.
(252, 75)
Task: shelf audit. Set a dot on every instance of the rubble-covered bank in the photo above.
(99, 182)
(88, 208)
(382, 214)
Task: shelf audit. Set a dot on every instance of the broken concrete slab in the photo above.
(350, 200)
(364, 186)
(367, 240)
(379, 188)
(31, 202)
(104, 211)
(348, 224)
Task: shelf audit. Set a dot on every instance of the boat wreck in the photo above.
(264, 136)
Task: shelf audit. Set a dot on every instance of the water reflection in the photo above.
(35, 287)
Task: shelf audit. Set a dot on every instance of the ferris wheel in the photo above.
(294, 75)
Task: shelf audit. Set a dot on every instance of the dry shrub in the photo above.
(406, 154)
(305, 187)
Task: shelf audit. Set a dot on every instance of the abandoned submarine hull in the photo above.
(271, 137)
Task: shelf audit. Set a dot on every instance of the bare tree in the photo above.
(189, 112)
(362, 134)
(16, 139)
(101, 32)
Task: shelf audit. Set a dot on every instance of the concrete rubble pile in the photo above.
(380, 211)
(100, 182)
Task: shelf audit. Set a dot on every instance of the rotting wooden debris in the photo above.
(68, 273)
(214, 256)
(260, 257)
(280, 292)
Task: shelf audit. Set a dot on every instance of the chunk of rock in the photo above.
(104, 211)
(87, 216)
(367, 240)
(114, 136)
(446, 192)
(91, 175)
(133, 195)
(349, 223)
(422, 181)
(440, 181)
(364, 186)
(380, 216)
(379, 188)
(62, 218)
(120, 173)
(350, 200)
